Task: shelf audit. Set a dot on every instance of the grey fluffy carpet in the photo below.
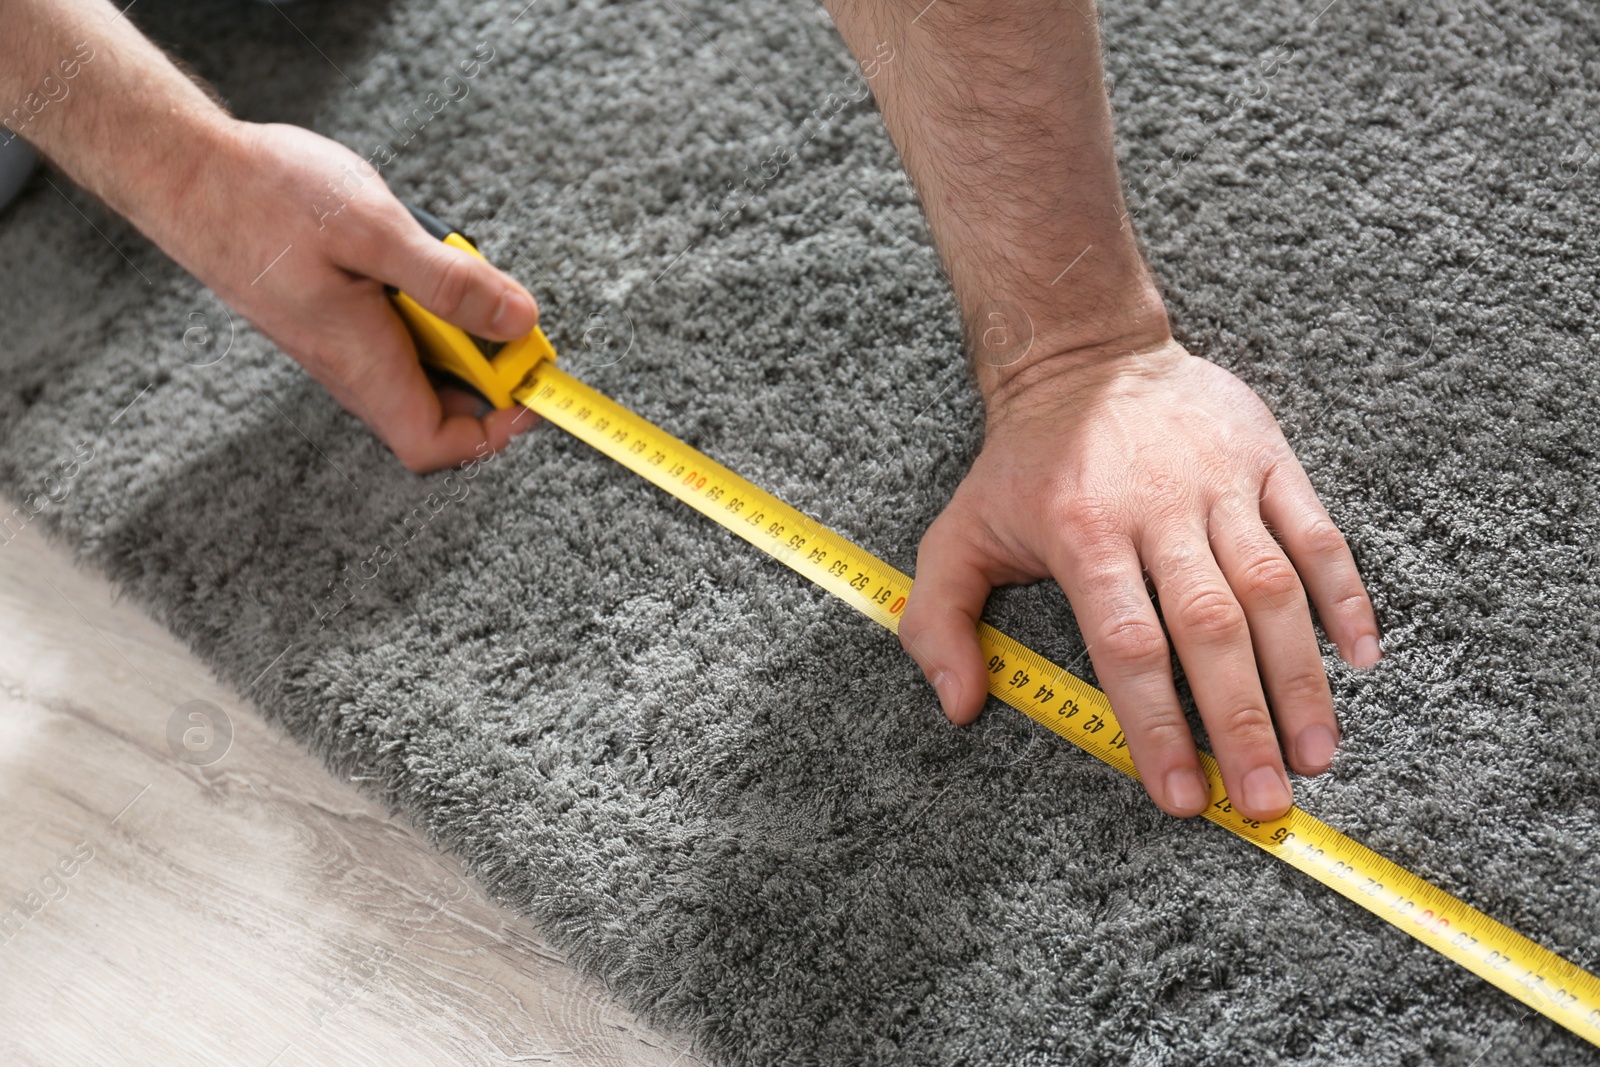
(726, 793)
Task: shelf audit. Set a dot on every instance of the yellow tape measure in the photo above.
(1046, 693)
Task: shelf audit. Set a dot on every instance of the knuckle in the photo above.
(1271, 580)
(364, 241)
(1173, 563)
(1091, 518)
(913, 629)
(1254, 460)
(919, 623)
(1247, 724)
(1323, 538)
(958, 531)
(369, 233)
(1168, 497)
(451, 284)
(412, 458)
(1165, 729)
(1167, 512)
(942, 536)
(1134, 640)
(1352, 603)
(1303, 687)
(1212, 614)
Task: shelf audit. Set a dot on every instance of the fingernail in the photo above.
(1265, 791)
(1316, 747)
(948, 686)
(514, 314)
(1367, 652)
(1187, 790)
(524, 421)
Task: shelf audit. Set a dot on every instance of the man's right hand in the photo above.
(250, 210)
(301, 236)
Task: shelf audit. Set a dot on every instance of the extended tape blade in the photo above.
(1067, 705)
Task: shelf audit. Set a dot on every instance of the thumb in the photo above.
(459, 287)
(940, 626)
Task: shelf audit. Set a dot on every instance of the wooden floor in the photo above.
(233, 903)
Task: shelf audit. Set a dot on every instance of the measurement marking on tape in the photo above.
(1069, 706)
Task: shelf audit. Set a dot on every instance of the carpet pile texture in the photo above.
(720, 789)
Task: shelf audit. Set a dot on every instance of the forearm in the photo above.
(82, 84)
(999, 111)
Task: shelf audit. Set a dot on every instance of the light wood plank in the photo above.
(251, 910)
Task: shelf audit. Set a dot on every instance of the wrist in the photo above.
(185, 146)
(1101, 323)
(134, 132)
